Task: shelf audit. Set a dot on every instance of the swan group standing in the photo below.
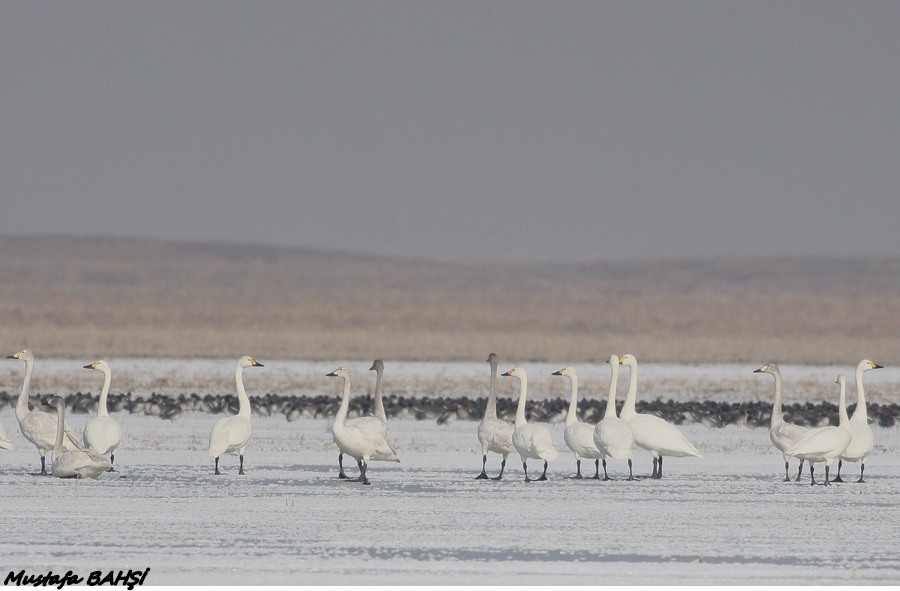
(357, 441)
(579, 436)
(651, 432)
(37, 426)
(824, 444)
(531, 440)
(783, 434)
(495, 435)
(377, 423)
(862, 439)
(612, 435)
(102, 434)
(231, 434)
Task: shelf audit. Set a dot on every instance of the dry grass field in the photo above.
(105, 297)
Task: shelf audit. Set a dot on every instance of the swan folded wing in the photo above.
(862, 442)
(614, 438)
(785, 435)
(536, 442)
(581, 436)
(40, 428)
(654, 433)
(229, 434)
(381, 449)
(497, 435)
(5, 442)
(370, 423)
(819, 443)
(101, 435)
(80, 463)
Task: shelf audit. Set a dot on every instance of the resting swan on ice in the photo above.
(612, 435)
(579, 436)
(494, 434)
(651, 432)
(783, 434)
(531, 440)
(360, 443)
(73, 463)
(39, 427)
(824, 444)
(102, 434)
(231, 434)
(863, 440)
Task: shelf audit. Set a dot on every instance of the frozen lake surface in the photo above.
(725, 518)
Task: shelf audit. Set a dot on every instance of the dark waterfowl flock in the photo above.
(506, 426)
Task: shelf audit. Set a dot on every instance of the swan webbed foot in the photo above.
(837, 479)
(576, 477)
(500, 477)
(862, 468)
(482, 476)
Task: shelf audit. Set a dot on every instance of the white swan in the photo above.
(37, 426)
(579, 436)
(358, 442)
(231, 434)
(102, 434)
(651, 432)
(863, 440)
(612, 435)
(5, 442)
(824, 444)
(783, 434)
(73, 463)
(378, 422)
(530, 440)
(494, 434)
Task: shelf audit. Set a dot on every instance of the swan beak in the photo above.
(13, 356)
(557, 373)
(621, 359)
(507, 373)
(876, 366)
(256, 363)
(91, 366)
(760, 370)
(331, 375)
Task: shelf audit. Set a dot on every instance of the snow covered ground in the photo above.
(725, 518)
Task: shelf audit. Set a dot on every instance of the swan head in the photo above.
(24, 355)
(569, 372)
(628, 359)
(101, 365)
(842, 380)
(770, 368)
(516, 372)
(246, 361)
(866, 365)
(613, 359)
(377, 366)
(341, 372)
(492, 359)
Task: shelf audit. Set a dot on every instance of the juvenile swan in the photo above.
(37, 426)
(651, 432)
(530, 440)
(377, 423)
(824, 444)
(494, 434)
(863, 440)
(783, 434)
(612, 436)
(579, 436)
(364, 445)
(75, 463)
(102, 434)
(232, 433)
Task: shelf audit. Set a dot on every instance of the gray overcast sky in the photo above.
(467, 131)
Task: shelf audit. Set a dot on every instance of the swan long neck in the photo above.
(379, 403)
(490, 411)
(345, 403)
(102, 411)
(628, 407)
(22, 403)
(572, 415)
(860, 413)
(60, 428)
(243, 401)
(520, 411)
(613, 384)
(842, 407)
(777, 413)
